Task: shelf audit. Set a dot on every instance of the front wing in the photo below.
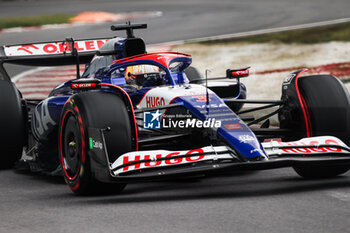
(210, 160)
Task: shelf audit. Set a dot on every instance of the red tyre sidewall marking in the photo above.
(308, 116)
(81, 128)
(303, 106)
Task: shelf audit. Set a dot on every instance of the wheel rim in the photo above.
(71, 147)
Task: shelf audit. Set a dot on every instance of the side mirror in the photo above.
(237, 73)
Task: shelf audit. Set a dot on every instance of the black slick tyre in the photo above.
(193, 75)
(328, 106)
(98, 110)
(12, 124)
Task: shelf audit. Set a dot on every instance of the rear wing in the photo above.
(51, 53)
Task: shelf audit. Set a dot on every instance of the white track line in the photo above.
(28, 72)
(263, 31)
(342, 196)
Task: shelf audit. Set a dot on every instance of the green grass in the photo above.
(35, 20)
(338, 32)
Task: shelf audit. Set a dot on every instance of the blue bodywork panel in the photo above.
(233, 130)
(46, 116)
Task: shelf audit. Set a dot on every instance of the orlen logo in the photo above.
(53, 48)
(26, 48)
(168, 161)
(154, 101)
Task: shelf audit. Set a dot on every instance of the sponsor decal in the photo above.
(154, 101)
(245, 138)
(310, 150)
(91, 145)
(169, 161)
(169, 158)
(95, 144)
(275, 147)
(200, 98)
(210, 106)
(27, 48)
(83, 85)
(43, 118)
(151, 120)
(52, 48)
(163, 95)
(233, 126)
(240, 73)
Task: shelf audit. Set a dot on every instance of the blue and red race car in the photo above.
(134, 116)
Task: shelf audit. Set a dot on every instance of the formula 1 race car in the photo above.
(134, 116)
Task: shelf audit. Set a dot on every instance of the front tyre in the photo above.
(98, 110)
(319, 172)
(327, 106)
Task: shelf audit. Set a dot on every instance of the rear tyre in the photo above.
(97, 110)
(193, 75)
(328, 104)
(12, 124)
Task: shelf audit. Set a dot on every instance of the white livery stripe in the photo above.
(121, 164)
(306, 146)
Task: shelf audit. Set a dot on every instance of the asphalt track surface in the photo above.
(265, 201)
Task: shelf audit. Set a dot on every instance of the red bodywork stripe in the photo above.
(163, 57)
(132, 110)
